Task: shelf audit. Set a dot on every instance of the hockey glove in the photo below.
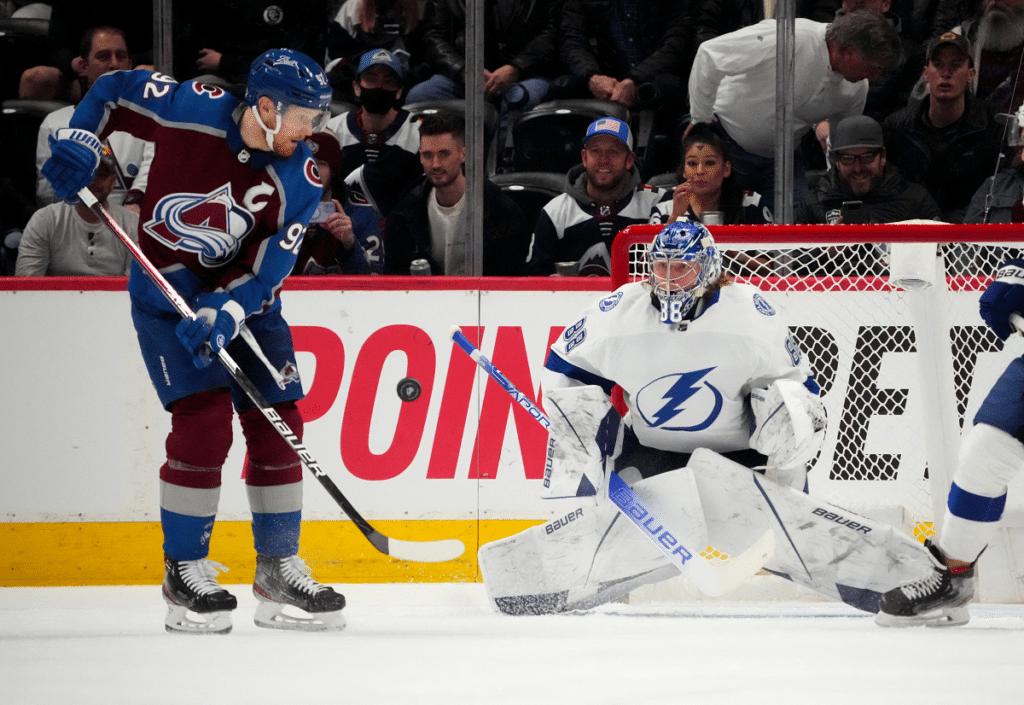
(1005, 295)
(74, 156)
(216, 323)
(790, 423)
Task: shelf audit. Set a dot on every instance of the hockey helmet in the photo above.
(683, 262)
(289, 77)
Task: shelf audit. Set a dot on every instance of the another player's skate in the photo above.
(190, 588)
(938, 600)
(284, 582)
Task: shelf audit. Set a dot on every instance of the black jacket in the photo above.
(521, 33)
(664, 26)
(894, 199)
(953, 170)
(406, 232)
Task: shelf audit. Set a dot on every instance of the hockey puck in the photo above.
(409, 389)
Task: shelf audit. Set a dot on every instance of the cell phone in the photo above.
(323, 209)
(853, 213)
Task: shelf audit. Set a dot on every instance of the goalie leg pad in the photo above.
(585, 432)
(826, 548)
(589, 556)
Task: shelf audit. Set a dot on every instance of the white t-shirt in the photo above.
(447, 234)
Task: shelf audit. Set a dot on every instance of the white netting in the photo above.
(882, 384)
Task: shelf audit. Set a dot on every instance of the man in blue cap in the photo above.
(602, 196)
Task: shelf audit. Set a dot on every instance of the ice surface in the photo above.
(441, 643)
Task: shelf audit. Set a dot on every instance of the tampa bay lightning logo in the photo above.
(210, 225)
(762, 306)
(609, 302)
(680, 402)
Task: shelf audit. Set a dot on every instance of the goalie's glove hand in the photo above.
(217, 321)
(74, 156)
(1005, 295)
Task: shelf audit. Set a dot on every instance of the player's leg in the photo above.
(273, 477)
(190, 478)
(990, 455)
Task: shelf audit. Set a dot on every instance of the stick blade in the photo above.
(422, 551)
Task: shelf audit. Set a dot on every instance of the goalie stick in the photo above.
(711, 578)
(420, 551)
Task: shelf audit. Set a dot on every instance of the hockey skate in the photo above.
(284, 583)
(938, 600)
(190, 588)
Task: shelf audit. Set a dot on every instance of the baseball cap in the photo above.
(958, 40)
(325, 148)
(610, 126)
(380, 57)
(856, 131)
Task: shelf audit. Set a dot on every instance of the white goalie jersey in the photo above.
(686, 386)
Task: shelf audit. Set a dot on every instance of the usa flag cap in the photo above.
(610, 126)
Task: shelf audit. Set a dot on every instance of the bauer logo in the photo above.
(553, 526)
(626, 500)
(842, 521)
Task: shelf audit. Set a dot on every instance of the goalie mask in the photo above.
(683, 263)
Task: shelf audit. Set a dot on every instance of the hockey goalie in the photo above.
(722, 418)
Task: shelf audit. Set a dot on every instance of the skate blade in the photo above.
(944, 617)
(181, 620)
(274, 615)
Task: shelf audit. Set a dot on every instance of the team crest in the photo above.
(609, 302)
(312, 173)
(210, 225)
(762, 306)
(680, 402)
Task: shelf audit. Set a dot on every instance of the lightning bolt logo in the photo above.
(673, 401)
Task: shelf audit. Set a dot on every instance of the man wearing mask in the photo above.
(379, 129)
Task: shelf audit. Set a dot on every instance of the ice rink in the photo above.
(441, 643)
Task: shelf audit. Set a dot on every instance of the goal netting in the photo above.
(888, 319)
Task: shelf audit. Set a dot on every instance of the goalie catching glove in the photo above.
(789, 423)
(75, 154)
(217, 321)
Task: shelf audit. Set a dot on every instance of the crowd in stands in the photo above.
(906, 108)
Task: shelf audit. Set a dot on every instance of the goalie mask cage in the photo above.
(887, 317)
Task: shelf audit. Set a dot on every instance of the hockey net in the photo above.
(901, 368)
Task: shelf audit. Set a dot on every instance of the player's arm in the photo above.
(571, 360)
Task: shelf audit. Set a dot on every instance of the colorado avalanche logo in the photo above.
(210, 225)
(680, 402)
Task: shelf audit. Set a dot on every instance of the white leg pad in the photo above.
(818, 545)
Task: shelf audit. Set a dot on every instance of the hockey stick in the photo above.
(421, 551)
(710, 578)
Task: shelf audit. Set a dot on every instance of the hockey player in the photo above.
(231, 191)
(991, 453)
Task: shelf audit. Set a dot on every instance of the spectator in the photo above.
(379, 129)
(102, 49)
(891, 92)
(707, 184)
(331, 244)
(61, 80)
(216, 41)
(733, 78)
(999, 200)
(429, 222)
(632, 53)
(602, 196)
(996, 30)
(949, 141)
(64, 240)
(860, 173)
(519, 47)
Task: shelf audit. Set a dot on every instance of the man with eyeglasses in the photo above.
(861, 179)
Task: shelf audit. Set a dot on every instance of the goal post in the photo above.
(887, 316)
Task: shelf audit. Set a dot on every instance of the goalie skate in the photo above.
(938, 600)
(290, 599)
(196, 604)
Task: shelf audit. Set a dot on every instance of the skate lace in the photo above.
(296, 572)
(924, 587)
(201, 576)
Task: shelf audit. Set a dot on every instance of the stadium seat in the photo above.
(550, 136)
(531, 190)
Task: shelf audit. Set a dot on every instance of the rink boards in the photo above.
(84, 432)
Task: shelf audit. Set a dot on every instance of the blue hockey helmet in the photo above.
(684, 262)
(289, 77)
